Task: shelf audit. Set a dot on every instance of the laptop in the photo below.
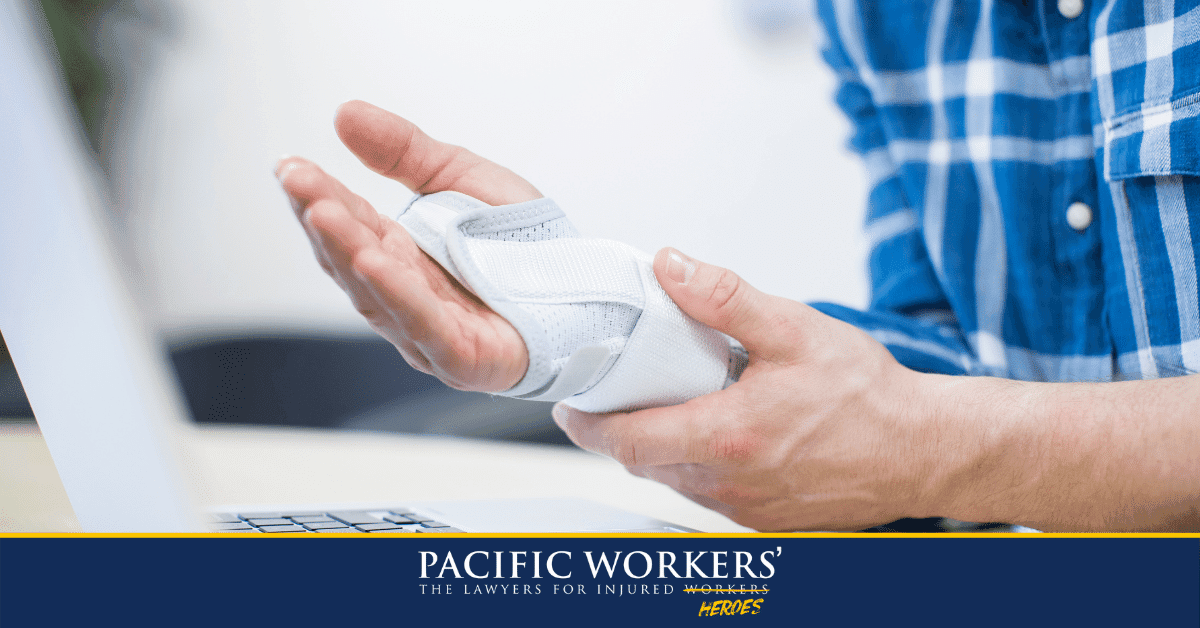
(97, 378)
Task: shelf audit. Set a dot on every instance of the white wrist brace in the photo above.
(600, 331)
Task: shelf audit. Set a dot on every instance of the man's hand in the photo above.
(815, 435)
(826, 431)
(439, 327)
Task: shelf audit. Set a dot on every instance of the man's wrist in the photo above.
(976, 435)
(1059, 456)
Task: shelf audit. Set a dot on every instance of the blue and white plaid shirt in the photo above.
(1034, 209)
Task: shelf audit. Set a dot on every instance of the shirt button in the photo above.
(1070, 9)
(1079, 216)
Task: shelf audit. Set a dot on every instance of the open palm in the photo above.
(439, 327)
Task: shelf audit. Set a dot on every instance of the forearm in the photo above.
(1111, 456)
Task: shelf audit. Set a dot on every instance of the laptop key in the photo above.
(355, 517)
(337, 530)
(435, 524)
(371, 527)
(324, 525)
(306, 519)
(270, 522)
(240, 525)
(286, 528)
(400, 530)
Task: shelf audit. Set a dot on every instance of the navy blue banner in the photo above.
(796, 580)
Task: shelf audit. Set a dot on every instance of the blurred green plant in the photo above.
(72, 27)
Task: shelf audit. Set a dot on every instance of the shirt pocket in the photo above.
(1151, 160)
(1154, 140)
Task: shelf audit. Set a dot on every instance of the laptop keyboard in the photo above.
(339, 522)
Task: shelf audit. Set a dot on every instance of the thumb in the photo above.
(721, 299)
(397, 149)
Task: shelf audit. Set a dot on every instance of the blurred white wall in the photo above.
(656, 123)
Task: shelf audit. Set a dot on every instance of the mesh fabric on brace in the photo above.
(549, 230)
(569, 325)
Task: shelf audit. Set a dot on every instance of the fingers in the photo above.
(449, 327)
(408, 298)
(396, 148)
(694, 432)
(345, 233)
(306, 183)
(767, 326)
(339, 224)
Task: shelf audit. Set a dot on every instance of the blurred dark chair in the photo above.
(13, 404)
(348, 382)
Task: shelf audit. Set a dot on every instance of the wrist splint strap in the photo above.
(600, 331)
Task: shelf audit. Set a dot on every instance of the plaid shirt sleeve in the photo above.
(908, 311)
(1034, 207)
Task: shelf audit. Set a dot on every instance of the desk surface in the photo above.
(281, 465)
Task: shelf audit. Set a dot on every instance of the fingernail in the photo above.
(559, 412)
(680, 267)
(282, 173)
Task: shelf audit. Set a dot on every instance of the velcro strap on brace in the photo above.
(600, 331)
